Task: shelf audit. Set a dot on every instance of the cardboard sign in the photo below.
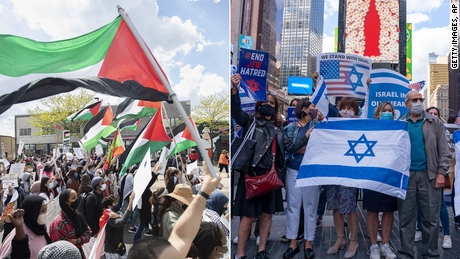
(6, 162)
(58, 130)
(253, 67)
(21, 146)
(52, 210)
(99, 150)
(10, 179)
(18, 169)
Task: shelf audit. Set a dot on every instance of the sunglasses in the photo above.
(414, 100)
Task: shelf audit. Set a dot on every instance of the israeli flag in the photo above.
(319, 97)
(456, 139)
(361, 153)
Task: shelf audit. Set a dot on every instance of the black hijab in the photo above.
(31, 206)
(77, 220)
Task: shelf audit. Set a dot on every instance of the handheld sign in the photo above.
(10, 179)
(21, 146)
(142, 178)
(58, 130)
(66, 141)
(291, 114)
(99, 150)
(78, 153)
(18, 169)
(253, 67)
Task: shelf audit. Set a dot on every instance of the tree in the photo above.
(214, 112)
(59, 107)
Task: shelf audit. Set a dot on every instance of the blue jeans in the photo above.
(139, 230)
(134, 217)
(444, 217)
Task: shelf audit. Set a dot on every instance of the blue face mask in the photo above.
(386, 116)
(51, 185)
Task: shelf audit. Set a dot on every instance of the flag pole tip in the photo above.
(119, 7)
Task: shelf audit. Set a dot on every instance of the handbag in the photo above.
(259, 185)
(242, 150)
(447, 184)
(121, 249)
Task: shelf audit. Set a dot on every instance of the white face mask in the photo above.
(41, 220)
(417, 108)
(103, 187)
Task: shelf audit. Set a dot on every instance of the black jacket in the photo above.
(114, 232)
(263, 136)
(94, 210)
(145, 212)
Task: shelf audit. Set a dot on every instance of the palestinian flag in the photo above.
(117, 148)
(153, 136)
(98, 127)
(136, 109)
(86, 113)
(184, 140)
(103, 142)
(66, 134)
(98, 61)
(132, 125)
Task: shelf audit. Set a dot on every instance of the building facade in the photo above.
(437, 74)
(440, 100)
(302, 38)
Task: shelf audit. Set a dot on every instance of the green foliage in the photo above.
(57, 109)
(213, 110)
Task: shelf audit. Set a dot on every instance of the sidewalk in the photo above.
(325, 238)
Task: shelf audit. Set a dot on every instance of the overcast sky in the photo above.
(430, 31)
(189, 39)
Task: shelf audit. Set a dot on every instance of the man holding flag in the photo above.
(430, 158)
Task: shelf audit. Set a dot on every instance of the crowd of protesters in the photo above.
(92, 199)
(305, 205)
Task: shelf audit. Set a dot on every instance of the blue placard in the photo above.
(300, 85)
(247, 104)
(395, 94)
(291, 114)
(253, 67)
(246, 42)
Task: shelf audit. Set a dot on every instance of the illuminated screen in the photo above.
(372, 29)
(300, 85)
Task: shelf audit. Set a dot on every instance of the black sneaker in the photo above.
(262, 255)
(284, 239)
(148, 233)
(318, 220)
(132, 230)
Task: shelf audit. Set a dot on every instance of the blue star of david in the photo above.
(358, 75)
(325, 96)
(361, 140)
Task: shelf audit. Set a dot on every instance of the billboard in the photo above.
(409, 51)
(372, 29)
(246, 42)
(300, 85)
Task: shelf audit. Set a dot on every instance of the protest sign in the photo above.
(10, 179)
(344, 74)
(58, 153)
(5, 161)
(20, 147)
(291, 114)
(253, 67)
(58, 130)
(32, 178)
(52, 210)
(247, 104)
(193, 168)
(142, 178)
(99, 150)
(18, 169)
(162, 161)
(78, 153)
(41, 173)
(390, 86)
(3, 149)
(66, 141)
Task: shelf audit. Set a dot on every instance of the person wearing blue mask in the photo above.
(45, 188)
(375, 202)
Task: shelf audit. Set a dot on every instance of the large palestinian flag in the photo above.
(111, 53)
(131, 125)
(137, 109)
(86, 113)
(97, 128)
(153, 136)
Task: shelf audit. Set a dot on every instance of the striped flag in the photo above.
(344, 76)
(458, 117)
(319, 97)
(366, 153)
(132, 125)
(417, 86)
(86, 113)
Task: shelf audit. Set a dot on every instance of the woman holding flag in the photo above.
(307, 113)
(268, 127)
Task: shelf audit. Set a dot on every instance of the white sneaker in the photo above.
(257, 241)
(447, 242)
(386, 251)
(374, 252)
(418, 236)
(235, 240)
(379, 237)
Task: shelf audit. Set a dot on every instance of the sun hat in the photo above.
(183, 193)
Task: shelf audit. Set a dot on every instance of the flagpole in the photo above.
(175, 143)
(172, 95)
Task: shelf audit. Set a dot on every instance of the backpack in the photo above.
(82, 206)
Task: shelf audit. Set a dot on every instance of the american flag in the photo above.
(458, 117)
(417, 86)
(344, 78)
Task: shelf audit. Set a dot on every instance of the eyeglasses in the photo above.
(414, 100)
